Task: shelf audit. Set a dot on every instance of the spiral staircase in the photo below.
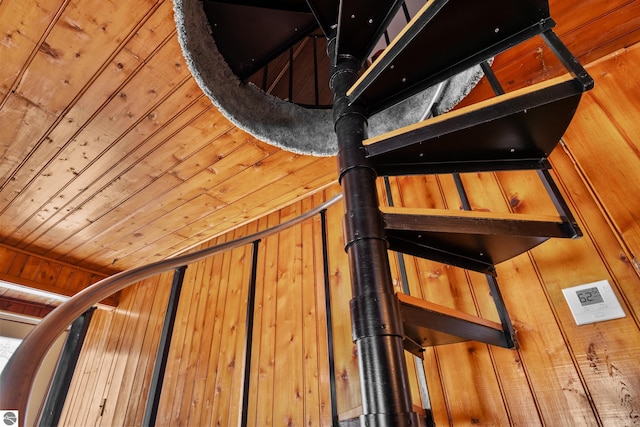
(260, 42)
(511, 131)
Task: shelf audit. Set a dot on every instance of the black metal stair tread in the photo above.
(361, 24)
(517, 130)
(428, 324)
(249, 34)
(468, 239)
(432, 48)
(472, 252)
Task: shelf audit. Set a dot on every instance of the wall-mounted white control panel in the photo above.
(593, 302)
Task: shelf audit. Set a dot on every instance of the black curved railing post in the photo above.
(57, 394)
(155, 388)
(17, 378)
(248, 343)
(329, 320)
(376, 325)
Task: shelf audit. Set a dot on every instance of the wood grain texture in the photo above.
(107, 128)
(560, 373)
(23, 268)
(203, 382)
(611, 167)
(165, 172)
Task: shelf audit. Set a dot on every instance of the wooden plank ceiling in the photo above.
(111, 157)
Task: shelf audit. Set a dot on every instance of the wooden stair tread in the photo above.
(501, 133)
(477, 222)
(413, 61)
(422, 304)
(469, 239)
(352, 416)
(429, 324)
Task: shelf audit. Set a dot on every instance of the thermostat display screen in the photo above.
(589, 296)
(593, 302)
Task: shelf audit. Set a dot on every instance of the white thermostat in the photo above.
(593, 302)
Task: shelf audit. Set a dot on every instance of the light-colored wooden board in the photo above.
(135, 407)
(82, 381)
(90, 143)
(610, 168)
(267, 280)
(58, 215)
(346, 361)
(534, 318)
(17, 140)
(77, 48)
(24, 26)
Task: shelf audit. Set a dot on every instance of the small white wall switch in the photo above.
(593, 302)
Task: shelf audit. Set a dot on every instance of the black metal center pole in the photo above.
(376, 325)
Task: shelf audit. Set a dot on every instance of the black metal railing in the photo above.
(19, 374)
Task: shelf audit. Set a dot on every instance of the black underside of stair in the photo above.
(473, 252)
(519, 133)
(472, 240)
(361, 24)
(250, 33)
(418, 58)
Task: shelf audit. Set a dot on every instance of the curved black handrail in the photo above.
(19, 373)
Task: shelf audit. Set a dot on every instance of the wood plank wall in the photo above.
(23, 268)
(561, 374)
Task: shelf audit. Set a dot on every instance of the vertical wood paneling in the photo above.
(466, 367)
(543, 352)
(606, 352)
(135, 404)
(594, 224)
(204, 372)
(288, 409)
(230, 362)
(313, 332)
(322, 354)
(170, 408)
(193, 384)
(77, 404)
(211, 274)
(608, 115)
(396, 279)
(561, 373)
(346, 358)
(145, 324)
(116, 361)
(236, 386)
(267, 330)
